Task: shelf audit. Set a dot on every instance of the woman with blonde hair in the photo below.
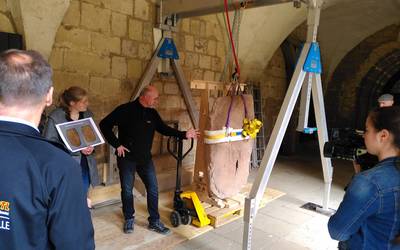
(73, 105)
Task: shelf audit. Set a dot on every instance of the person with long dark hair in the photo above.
(369, 215)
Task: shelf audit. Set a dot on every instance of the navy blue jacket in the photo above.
(42, 204)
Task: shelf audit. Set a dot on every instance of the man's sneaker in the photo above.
(158, 227)
(128, 226)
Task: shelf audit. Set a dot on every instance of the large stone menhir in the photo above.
(228, 162)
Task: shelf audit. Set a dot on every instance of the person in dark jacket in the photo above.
(74, 106)
(42, 203)
(137, 121)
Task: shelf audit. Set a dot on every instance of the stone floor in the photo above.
(281, 224)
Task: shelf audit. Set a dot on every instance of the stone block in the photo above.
(212, 47)
(220, 49)
(216, 64)
(189, 42)
(122, 6)
(73, 38)
(95, 18)
(145, 51)
(209, 75)
(172, 102)
(210, 29)
(73, 14)
(191, 60)
(200, 46)
(205, 62)
(118, 67)
(148, 32)
(63, 80)
(105, 44)
(129, 48)
(171, 89)
(134, 68)
(118, 24)
(3, 6)
(5, 24)
(104, 86)
(195, 26)
(185, 25)
(202, 28)
(135, 28)
(56, 58)
(142, 10)
(86, 62)
(197, 74)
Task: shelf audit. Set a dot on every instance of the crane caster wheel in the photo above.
(186, 219)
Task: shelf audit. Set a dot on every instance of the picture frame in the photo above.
(80, 134)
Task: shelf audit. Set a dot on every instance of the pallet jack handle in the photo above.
(179, 155)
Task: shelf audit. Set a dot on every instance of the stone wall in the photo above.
(342, 89)
(104, 46)
(6, 23)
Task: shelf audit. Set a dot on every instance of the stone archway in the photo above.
(381, 78)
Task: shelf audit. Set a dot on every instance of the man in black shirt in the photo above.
(137, 121)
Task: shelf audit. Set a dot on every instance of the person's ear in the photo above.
(384, 135)
(49, 97)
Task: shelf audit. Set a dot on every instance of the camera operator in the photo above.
(367, 218)
(385, 100)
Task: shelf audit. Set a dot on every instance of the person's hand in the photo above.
(87, 150)
(192, 133)
(121, 151)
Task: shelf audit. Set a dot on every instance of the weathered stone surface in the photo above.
(63, 80)
(212, 47)
(118, 24)
(145, 51)
(195, 26)
(5, 24)
(220, 49)
(191, 60)
(228, 163)
(85, 62)
(129, 48)
(189, 42)
(95, 18)
(205, 62)
(73, 14)
(200, 45)
(56, 58)
(73, 38)
(185, 25)
(3, 5)
(142, 10)
(135, 29)
(118, 67)
(148, 32)
(101, 85)
(134, 68)
(171, 89)
(123, 6)
(209, 75)
(105, 44)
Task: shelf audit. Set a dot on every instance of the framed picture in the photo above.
(79, 134)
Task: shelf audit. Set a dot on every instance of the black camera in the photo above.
(348, 144)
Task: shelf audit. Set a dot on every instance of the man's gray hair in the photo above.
(25, 77)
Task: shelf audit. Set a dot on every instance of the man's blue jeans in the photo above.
(147, 173)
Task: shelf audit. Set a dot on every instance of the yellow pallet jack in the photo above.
(187, 205)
